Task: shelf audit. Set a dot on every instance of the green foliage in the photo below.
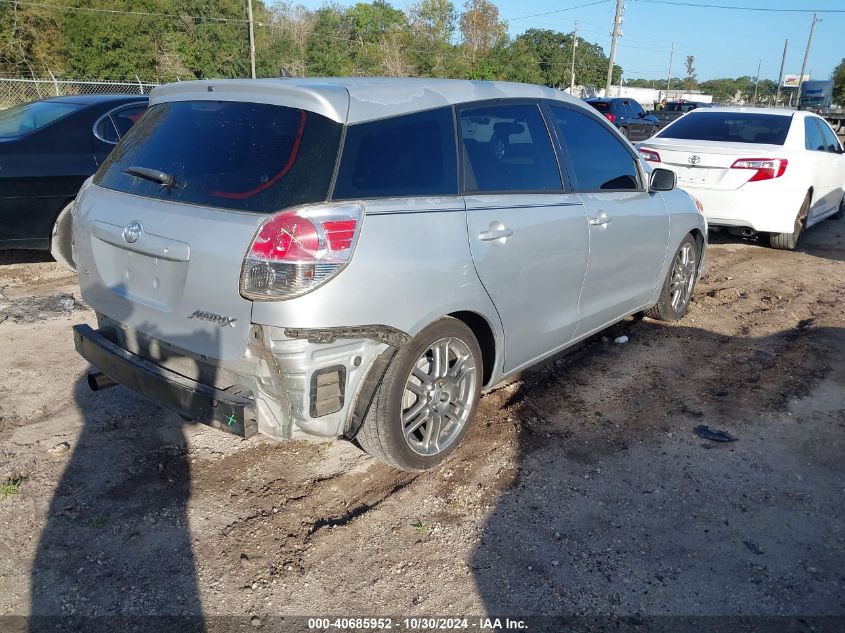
(11, 486)
(839, 83)
(691, 82)
(208, 38)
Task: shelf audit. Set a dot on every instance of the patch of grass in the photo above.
(419, 526)
(99, 522)
(11, 486)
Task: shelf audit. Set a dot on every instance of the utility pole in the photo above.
(574, 46)
(780, 75)
(806, 55)
(617, 22)
(669, 78)
(757, 82)
(251, 39)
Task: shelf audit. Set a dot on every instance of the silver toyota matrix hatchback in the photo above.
(361, 258)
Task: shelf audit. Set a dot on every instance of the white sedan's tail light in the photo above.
(650, 155)
(297, 250)
(766, 168)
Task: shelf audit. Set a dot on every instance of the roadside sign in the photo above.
(792, 81)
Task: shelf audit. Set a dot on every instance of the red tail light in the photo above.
(610, 117)
(766, 168)
(650, 155)
(295, 251)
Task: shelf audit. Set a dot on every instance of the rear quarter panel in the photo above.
(411, 266)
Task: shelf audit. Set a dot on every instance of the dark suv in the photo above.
(628, 116)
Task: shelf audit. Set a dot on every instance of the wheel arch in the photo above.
(486, 338)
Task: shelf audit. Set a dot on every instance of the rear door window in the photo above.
(507, 148)
(731, 127)
(235, 155)
(813, 136)
(598, 160)
(831, 143)
(412, 155)
(114, 125)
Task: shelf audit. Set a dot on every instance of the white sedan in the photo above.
(755, 170)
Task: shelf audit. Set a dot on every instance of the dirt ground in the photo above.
(581, 490)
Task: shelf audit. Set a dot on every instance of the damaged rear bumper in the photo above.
(231, 410)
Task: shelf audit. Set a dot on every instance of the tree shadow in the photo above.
(619, 513)
(116, 550)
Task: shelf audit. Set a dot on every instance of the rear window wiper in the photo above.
(154, 175)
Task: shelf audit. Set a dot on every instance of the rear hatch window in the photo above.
(243, 156)
(731, 127)
(601, 106)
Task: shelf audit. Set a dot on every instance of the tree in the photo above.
(690, 83)
(327, 49)
(481, 29)
(434, 20)
(839, 83)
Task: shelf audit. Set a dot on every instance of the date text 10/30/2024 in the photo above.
(413, 624)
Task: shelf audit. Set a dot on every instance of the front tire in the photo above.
(676, 293)
(427, 399)
(788, 241)
(841, 213)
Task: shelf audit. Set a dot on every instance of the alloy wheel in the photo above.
(683, 277)
(439, 395)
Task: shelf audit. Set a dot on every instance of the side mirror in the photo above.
(641, 114)
(662, 180)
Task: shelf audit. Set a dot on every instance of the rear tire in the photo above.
(788, 241)
(61, 240)
(425, 404)
(676, 293)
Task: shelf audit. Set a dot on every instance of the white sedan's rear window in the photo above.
(730, 127)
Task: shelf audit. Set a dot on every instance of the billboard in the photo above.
(791, 81)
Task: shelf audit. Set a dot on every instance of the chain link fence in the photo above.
(14, 91)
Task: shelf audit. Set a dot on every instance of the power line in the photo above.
(736, 8)
(580, 6)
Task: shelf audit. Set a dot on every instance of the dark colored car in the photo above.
(627, 115)
(47, 150)
(676, 109)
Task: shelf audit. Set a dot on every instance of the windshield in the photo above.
(731, 127)
(29, 117)
(244, 156)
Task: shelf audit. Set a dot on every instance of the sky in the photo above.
(725, 43)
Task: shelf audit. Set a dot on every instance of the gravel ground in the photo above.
(581, 490)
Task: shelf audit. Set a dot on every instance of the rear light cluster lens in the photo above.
(610, 117)
(295, 251)
(650, 155)
(766, 168)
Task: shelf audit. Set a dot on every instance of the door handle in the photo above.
(601, 220)
(497, 232)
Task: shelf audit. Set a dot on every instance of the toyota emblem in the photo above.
(694, 159)
(132, 231)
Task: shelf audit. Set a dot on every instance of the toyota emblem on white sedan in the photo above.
(132, 231)
(694, 159)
